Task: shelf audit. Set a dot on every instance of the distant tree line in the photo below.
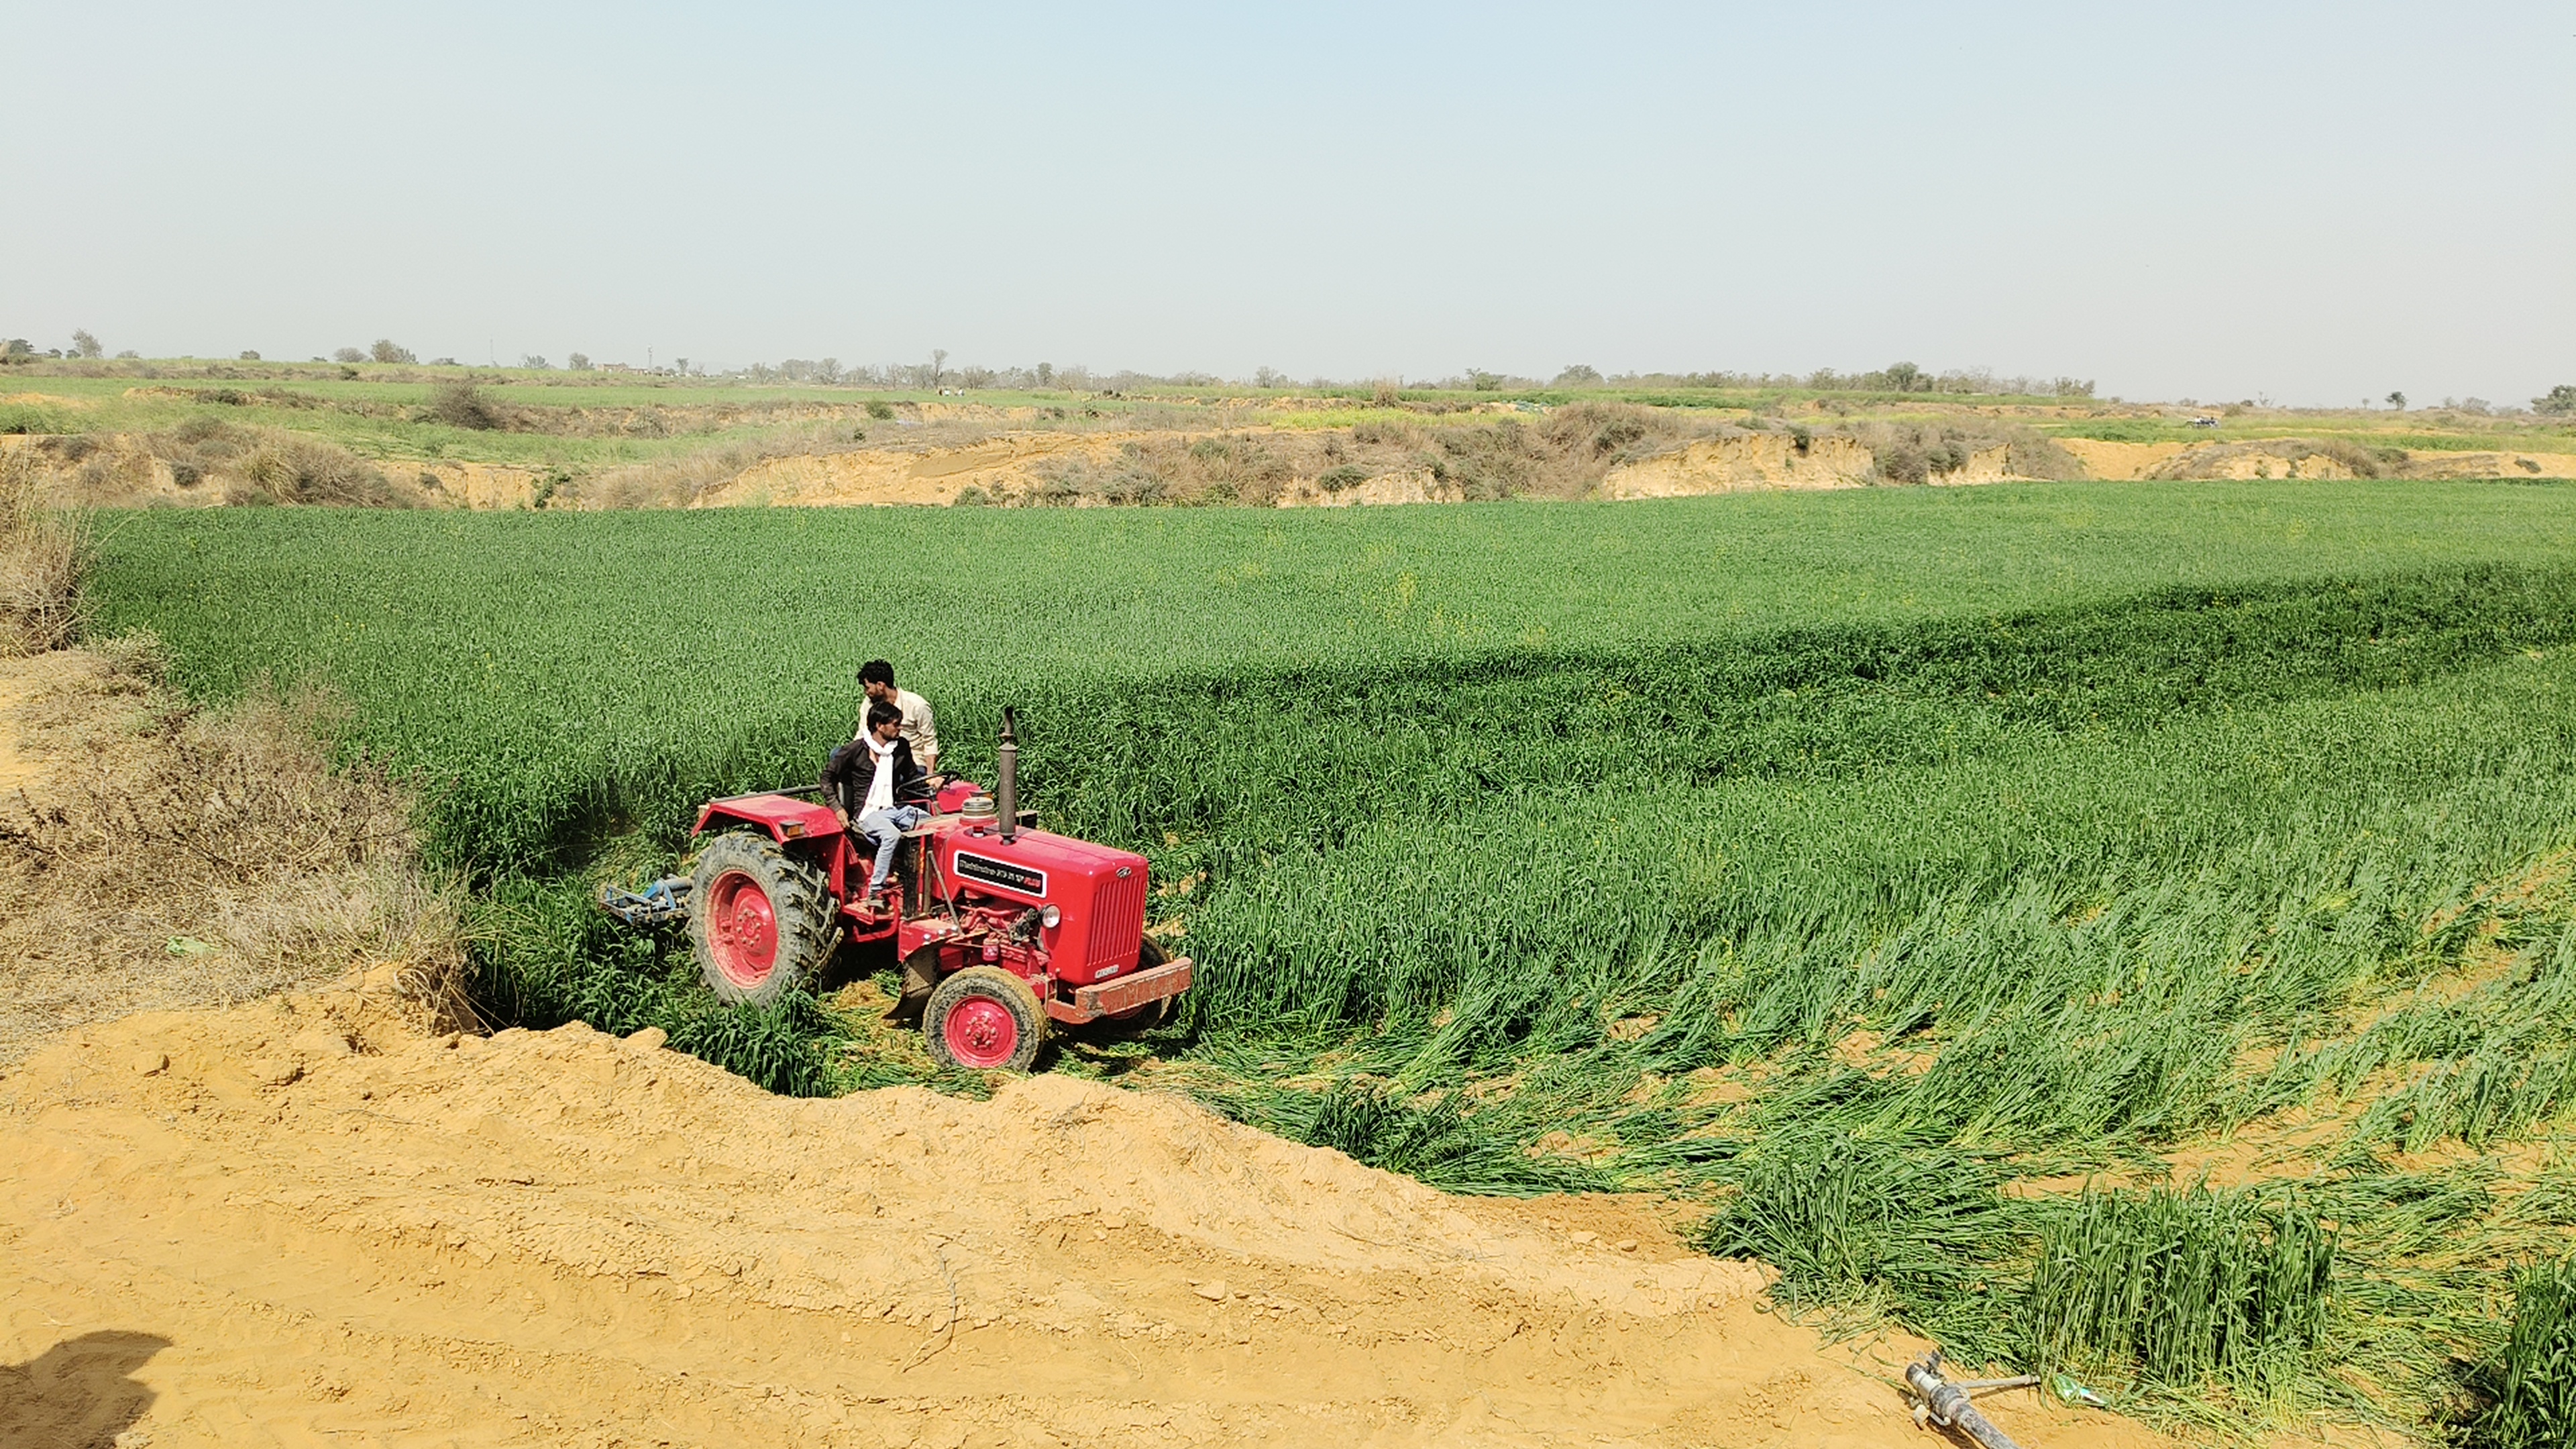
(1896, 377)
(937, 373)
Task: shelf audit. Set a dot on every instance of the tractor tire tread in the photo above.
(798, 899)
(995, 984)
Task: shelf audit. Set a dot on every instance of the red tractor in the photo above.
(1017, 928)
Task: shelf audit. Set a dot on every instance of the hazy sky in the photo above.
(2318, 202)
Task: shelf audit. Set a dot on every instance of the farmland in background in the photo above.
(1983, 902)
(190, 432)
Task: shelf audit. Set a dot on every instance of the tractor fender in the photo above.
(782, 818)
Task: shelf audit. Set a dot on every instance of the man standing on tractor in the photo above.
(876, 790)
(920, 730)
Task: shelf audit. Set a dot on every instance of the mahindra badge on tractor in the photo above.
(1018, 928)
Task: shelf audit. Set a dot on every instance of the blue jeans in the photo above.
(886, 828)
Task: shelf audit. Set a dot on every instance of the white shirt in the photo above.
(919, 728)
(881, 782)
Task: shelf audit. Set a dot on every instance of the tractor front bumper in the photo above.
(1108, 998)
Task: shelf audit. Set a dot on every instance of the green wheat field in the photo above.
(2118, 929)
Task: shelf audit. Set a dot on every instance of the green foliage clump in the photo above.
(1439, 1142)
(545, 956)
(17, 417)
(777, 1046)
(1912, 1228)
(2177, 1287)
(2530, 1386)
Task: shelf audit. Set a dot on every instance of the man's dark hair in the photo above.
(880, 712)
(877, 671)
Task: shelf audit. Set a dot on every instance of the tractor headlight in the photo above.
(1050, 917)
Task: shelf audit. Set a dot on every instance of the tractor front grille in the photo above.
(1117, 920)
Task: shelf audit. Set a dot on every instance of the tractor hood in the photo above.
(1100, 892)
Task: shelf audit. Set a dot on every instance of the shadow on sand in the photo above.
(79, 1394)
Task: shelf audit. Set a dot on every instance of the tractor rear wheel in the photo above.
(761, 919)
(985, 1019)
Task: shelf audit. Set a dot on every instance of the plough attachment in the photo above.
(663, 903)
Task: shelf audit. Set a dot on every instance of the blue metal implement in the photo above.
(665, 902)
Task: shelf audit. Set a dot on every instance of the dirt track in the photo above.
(293, 1222)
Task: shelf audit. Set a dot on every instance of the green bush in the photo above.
(2177, 1287)
(1440, 1142)
(463, 405)
(1909, 1226)
(2530, 1386)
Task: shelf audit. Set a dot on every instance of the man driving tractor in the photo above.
(876, 790)
(1005, 932)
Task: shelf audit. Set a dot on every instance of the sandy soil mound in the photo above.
(2126, 462)
(293, 1222)
(479, 486)
(2269, 459)
(2490, 465)
(1755, 461)
(1007, 464)
(2291, 459)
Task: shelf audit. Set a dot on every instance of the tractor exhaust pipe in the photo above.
(1006, 789)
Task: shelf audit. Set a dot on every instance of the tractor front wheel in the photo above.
(761, 919)
(985, 1019)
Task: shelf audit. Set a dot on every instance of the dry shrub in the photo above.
(288, 468)
(1917, 452)
(1920, 452)
(2036, 455)
(228, 461)
(1225, 468)
(1388, 432)
(2214, 460)
(272, 465)
(1566, 454)
(179, 857)
(41, 553)
(2363, 462)
(1620, 432)
(463, 405)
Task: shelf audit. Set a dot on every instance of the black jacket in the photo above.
(853, 768)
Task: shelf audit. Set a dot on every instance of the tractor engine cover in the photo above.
(1098, 892)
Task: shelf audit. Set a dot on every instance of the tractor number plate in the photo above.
(1003, 873)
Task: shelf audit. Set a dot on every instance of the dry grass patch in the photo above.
(169, 856)
(41, 552)
(215, 461)
(1562, 454)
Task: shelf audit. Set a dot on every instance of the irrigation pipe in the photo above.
(1942, 1402)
